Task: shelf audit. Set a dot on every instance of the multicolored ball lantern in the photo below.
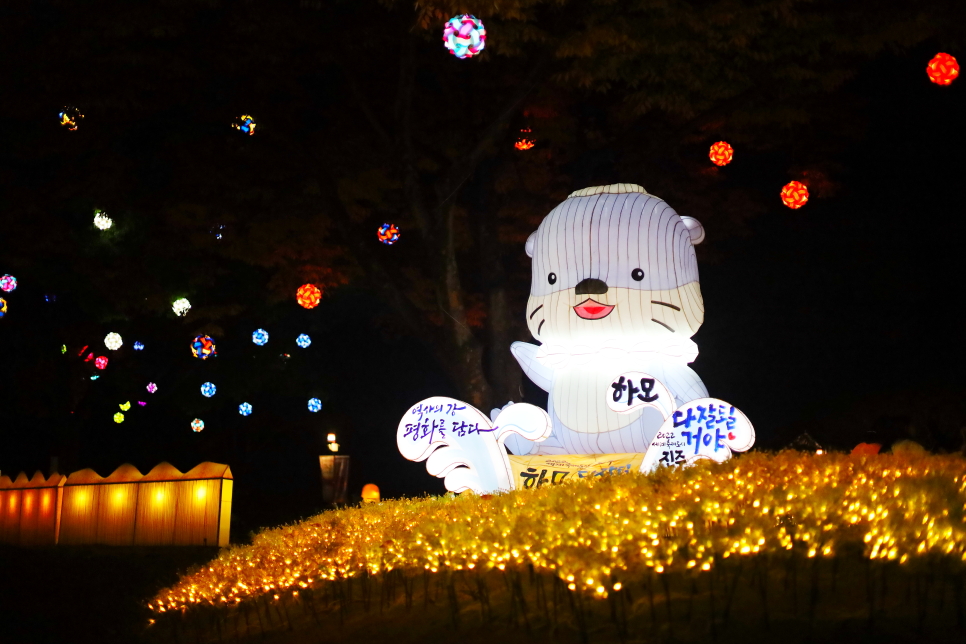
(3, 307)
(151, 387)
(245, 124)
(181, 306)
(245, 409)
(101, 362)
(8, 283)
(118, 418)
(70, 117)
(208, 389)
(101, 220)
(794, 194)
(113, 341)
(315, 405)
(203, 347)
(138, 346)
(524, 142)
(464, 36)
(942, 69)
(388, 234)
(260, 337)
(303, 341)
(197, 425)
(721, 153)
(308, 296)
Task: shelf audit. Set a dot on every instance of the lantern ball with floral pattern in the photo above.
(181, 306)
(197, 424)
(208, 389)
(260, 337)
(308, 296)
(315, 405)
(3, 307)
(245, 409)
(203, 347)
(8, 283)
(303, 341)
(100, 362)
(388, 234)
(151, 387)
(942, 69)
(794, 194)
(118, 418)
(101, 220)
(113, 341)
(464, 36)
(721, 153)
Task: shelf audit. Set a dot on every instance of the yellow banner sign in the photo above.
(534, 471)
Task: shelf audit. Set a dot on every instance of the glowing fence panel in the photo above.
(78, 515)
(115, 513)
(224, 514)
(29, 509)
(196, 515)
(10, 513)
(156, 513)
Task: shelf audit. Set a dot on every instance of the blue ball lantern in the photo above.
(260, 337)
(245, 409)
(208, 389)
(315, 405)
(303, 341)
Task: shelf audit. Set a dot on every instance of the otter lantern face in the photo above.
(614, 265)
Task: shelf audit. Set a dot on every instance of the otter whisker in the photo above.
(540, 327)
(670, 306)
(535, 311)
(664, 325)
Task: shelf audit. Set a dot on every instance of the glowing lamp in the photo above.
(260, 337)
(464, 36)
(125, 406)
(245, 409)
(118, 418)
(101, 220)
(370, 493)
(138, 346)
(942, 69)
(721, 153)
(308, 296)
(8, 283)
(70, 117)
(151, 387)
(245, 124)
(208, 390)
(315, 405)
(794, 194)
(181, 307)
(866, 449)
(100, 362)
(203, 347)
(3, 307)
(330, 438)
(197, 425)
(333, 447)
(388, 234)
(524, 142)
(303, 341)
(113, 341)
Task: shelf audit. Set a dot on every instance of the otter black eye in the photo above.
(637, 274)
(552, 278)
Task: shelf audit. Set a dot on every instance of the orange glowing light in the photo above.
(370, 493)
(721, 153)
(308, 296)
(942, 69)
(794, 194)
(866, 449)
(524, 142)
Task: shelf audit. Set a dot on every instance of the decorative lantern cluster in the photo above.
(388, 234)
(208, 389)
(8, 283)
(942, 69)
(464, 36)
(101, 220)
(203, 347)
(315, 405)
(260, 337)
(303, 341)
(794, 194)
(181, 306)
(113, 341)
(70, 117)
(245, 124)
(721, 153)
(308, 296)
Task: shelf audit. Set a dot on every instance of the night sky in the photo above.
(841, 319)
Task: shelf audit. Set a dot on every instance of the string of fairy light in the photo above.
(593, 534)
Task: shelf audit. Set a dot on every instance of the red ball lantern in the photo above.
(101, 362)
(794, 194)
(721, 153)
(942, 69)
(308, 296)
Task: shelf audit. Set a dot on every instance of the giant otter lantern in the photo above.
(614, 301)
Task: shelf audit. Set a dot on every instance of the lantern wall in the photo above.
(29, 510)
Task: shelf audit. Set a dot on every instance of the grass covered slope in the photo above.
(597, 536)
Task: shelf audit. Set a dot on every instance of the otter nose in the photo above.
(591, 286)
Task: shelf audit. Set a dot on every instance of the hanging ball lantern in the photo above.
(721, 153)
(138, 346)
(197, 424)
(303, 341)
(794, 194)
(464, 36)
(315, 405)
(245, 124)
(208, 390)
(118, 418)
(101, 220)
(151, 387)
(330, 438)
(942, 69)
(181, 307)
(308, 296)
(388, 234)
(260, 337)
(203, 347)
(245, 409)
(8, 283)
(370, 493)
(3, 307)
(113, 341)
(100, 362)
(70, 117)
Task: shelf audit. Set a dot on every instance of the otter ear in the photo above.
(531, 240)
(694, 227)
